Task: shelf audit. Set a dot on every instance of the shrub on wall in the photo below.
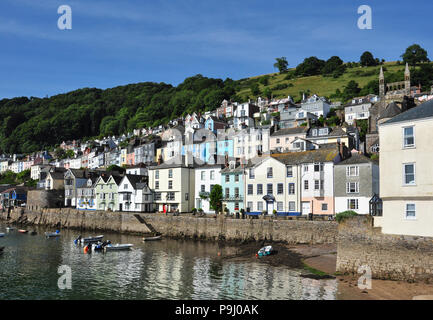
(344, 215)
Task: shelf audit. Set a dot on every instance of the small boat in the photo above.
(2, 235)
(52, 234)
(152, 238)
(100, 245)
(88, 239)
(10, 228)
(23, 231)
(118, 247)
(265, 251)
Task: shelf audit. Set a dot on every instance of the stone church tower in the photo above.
(407, 80)
(381, 83)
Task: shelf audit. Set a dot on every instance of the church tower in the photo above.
(381, 83)
(407, 80)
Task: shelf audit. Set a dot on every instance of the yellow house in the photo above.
(406, 172)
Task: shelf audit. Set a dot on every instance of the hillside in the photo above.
(32, 124)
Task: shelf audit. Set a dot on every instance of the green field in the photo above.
(323, 86)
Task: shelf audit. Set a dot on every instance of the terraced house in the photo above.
(271, 185)
(106, 191)
(232, 183)
(135, 194)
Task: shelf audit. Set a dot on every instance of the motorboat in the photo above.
(2, 235)
(265, 251)
(52, 234)
(23, 231)
(152, 238)
(118, 247)
(88, 239)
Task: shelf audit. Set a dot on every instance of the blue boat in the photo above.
(265, 251)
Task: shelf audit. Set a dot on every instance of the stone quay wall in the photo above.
(393, 257)
(183, 226)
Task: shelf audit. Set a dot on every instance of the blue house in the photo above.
(232, 183)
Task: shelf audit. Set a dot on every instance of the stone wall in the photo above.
(393, 257)
(220, 228)
(38, 199)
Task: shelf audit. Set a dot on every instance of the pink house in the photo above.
(130, 159)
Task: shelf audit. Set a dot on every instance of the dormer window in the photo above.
(314, 132)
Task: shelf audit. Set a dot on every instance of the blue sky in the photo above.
(116, 42)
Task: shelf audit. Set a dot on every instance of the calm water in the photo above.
(166, 269)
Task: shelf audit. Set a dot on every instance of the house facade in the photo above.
(232, 183)
(134, 194)
(406, 172)
(206, 177)
(356, 182)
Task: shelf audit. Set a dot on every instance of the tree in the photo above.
(331, 65)
(215, 198)
(367, 59)
(310, 67)
(351, 90)
(414, 55)
(267, 93)
(281, 64)
(255, 90)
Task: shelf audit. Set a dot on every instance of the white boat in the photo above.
(117, 247)
(2, 235)
(265, 251)
(152, 238)
(52, 234)
(88, 239)
(10, 228)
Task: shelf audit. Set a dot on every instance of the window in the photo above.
(203, 175)
(250, 205)
(236, 178)
(250, 189)
(305, 167)
(170, 184)
(260, 206)
(157, 174)
(186, 196)
(291, 188)
(236, 192)
(289, 171)
(170, 196)
(316, 184)
(318, 167)
(157, 185)
(212, 175)
(252, 175)
(203, 188)
(292, 206)
(227, 193)
(125, 186)
(269, 188)
(408, 137)
(270, 173)
(410, 211)
(280, 188)
(324, 207)
(278, 141)
(352, 171)
(279, 206)
(352, 187)
(170, 174)
(352, 204)
(409, 173)
(305, 184)
(227, 178)
(236, 206)
(259, 189)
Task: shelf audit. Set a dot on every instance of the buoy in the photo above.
(219, 254)
(86, 249)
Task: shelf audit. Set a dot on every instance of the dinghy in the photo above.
(88, 239)
(10, 228)
(118, 247)
(52, 234)
(2, 235)
(265, 251)
(152, 238)
(23, 231)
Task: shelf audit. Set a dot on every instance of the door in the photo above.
(270, 206)
(306, 208)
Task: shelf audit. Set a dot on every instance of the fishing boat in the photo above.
(118, 247)
(52, 234)
(23, 231)
(265, 251)
(88, 239)
(152, 238)
(2, 235)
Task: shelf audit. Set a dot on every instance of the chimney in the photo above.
(342, 150)
(160, 160)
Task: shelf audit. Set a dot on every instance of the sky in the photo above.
(117, 42)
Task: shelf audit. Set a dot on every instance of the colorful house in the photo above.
(232, 183)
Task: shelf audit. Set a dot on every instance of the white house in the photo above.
(205, 178)
(319, 106)
(134, 194)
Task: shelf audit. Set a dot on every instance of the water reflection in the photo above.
(165, 269)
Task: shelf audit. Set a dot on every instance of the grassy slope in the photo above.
(323, 86)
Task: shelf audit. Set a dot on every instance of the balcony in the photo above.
(233, 198)
(204, 194)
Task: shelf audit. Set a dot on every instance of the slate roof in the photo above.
(356, 158)
(390, 111)
(326, 153)
(287, 131)
(424, 110)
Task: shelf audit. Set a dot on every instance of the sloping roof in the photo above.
(326, 153)
(424, 110)
(287, 131)
(390, 111)
(57, 175)
(334, 132)
(135, 179)
(356, 158)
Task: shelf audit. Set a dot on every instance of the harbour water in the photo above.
(166, 269)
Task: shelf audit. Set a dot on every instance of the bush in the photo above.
(344, 215)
